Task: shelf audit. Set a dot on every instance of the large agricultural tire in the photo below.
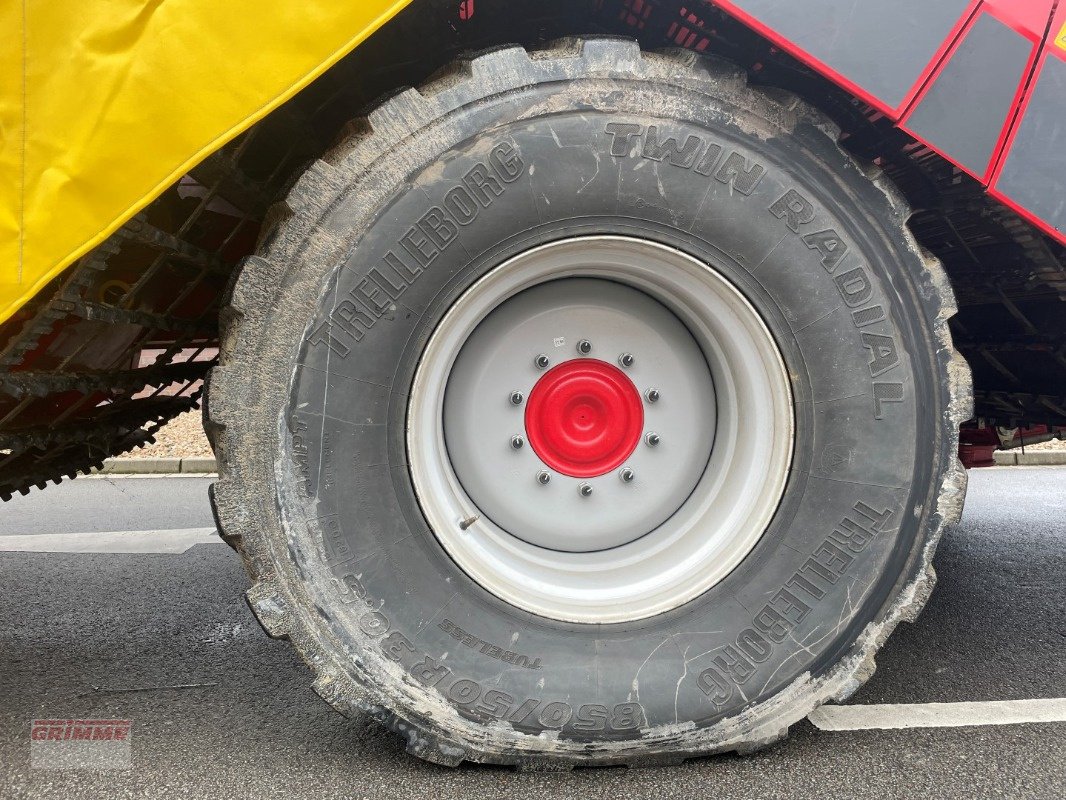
(747, 568)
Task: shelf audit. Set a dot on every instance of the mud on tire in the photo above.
(307, 411)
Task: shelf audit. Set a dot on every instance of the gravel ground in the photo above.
(182, 437)
(1054, 444)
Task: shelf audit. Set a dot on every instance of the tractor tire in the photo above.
(588, 406)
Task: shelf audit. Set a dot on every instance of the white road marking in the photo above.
(938, 715)
(177, 540)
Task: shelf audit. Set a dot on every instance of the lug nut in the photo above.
(585, 490)
(626, 475)
(541, 361)
(543, 478)
(584, 347)
(517, 442)
(626, 359)
(516, 398)
(652, 439)
(652, 395)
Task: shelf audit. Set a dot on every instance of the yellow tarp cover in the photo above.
(105, 103)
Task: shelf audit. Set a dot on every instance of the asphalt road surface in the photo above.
(76, 629)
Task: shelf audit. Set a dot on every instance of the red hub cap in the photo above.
(584, 418)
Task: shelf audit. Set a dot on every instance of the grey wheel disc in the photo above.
(498, 365)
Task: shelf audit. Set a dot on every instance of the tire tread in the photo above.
(293, 221)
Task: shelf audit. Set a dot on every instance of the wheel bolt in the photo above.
(626, 475)
(543, 478)
(626, 359)
(585, 490)
(584, 347)
(517, 442)
(516, 398)
(652, 439)
(541, 361)
(652, 395)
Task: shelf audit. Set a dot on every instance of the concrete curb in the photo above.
(1034, 458)
(158, 466)
(200, 466)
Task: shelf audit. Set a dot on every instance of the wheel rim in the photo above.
(600, 429)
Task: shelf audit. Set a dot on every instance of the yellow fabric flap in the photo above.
(105, 103)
